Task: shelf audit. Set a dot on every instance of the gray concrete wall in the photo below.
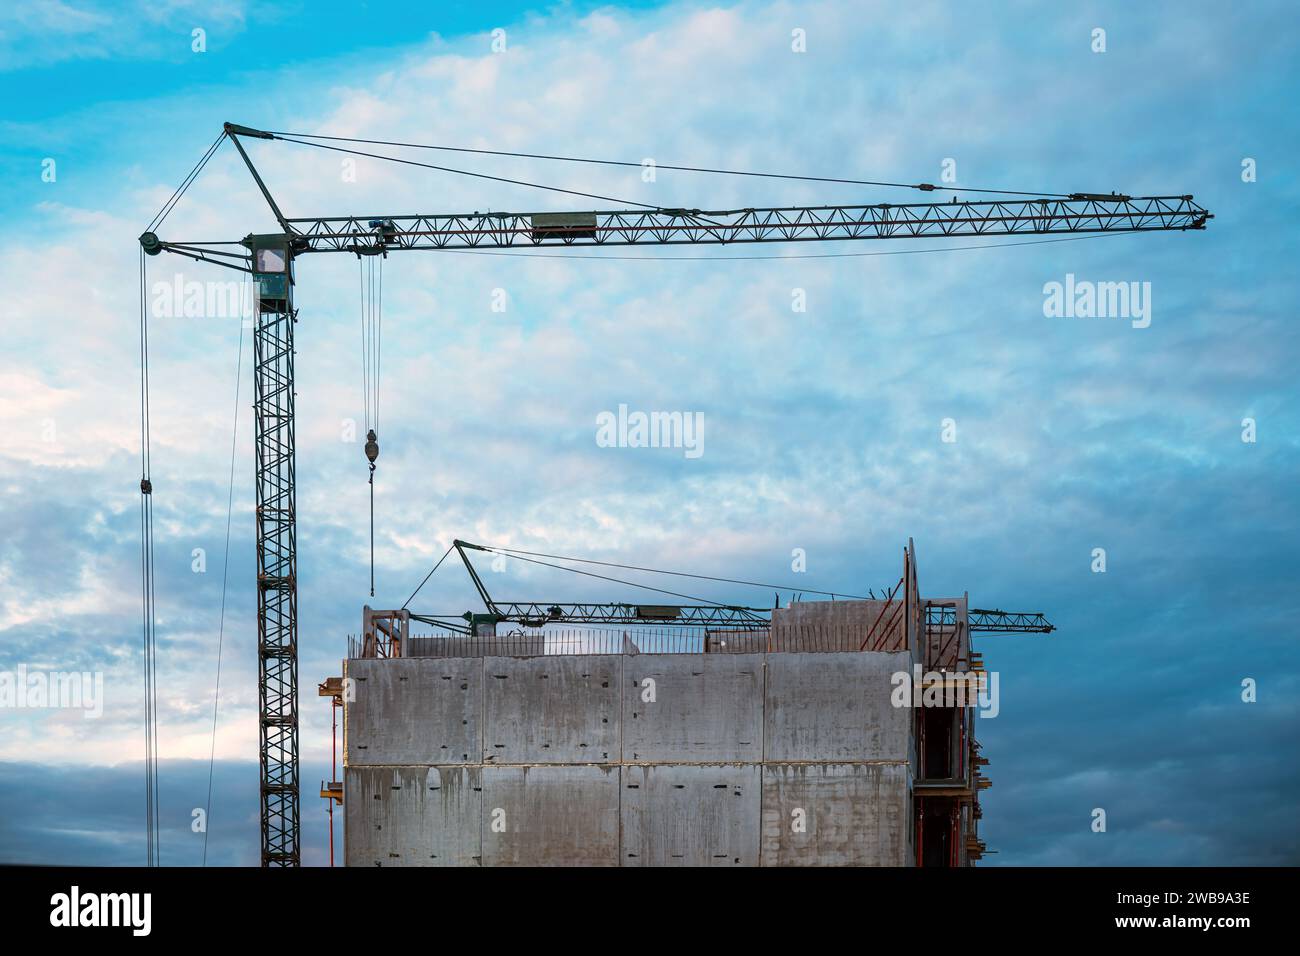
(561, 709)
(687, 708)
(837, 815)
(413, 816)
(550, 816)
(633, 760)
(706, 815)
(413, 711)
(835, 707)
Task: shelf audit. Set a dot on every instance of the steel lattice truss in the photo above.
(538, 613)
(624, 227)
(277, 585)
(989, 622)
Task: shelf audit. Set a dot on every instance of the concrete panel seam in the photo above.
(658, 763)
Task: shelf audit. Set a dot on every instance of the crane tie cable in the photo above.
(925, 187)
(185, 184)
(518, 553)
(426, 578)
(466, 172)
(602, 577)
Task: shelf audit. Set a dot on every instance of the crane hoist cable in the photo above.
(147, 596)
(148, 602)
(372, 334)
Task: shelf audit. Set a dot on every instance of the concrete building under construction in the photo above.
(840, 732)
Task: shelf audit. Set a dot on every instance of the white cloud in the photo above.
(823, 427)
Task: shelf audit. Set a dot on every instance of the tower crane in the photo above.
(269, 259)
(713, 615)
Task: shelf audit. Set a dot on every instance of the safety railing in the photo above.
(798, 638)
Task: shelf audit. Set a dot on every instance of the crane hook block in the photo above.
(372, 447)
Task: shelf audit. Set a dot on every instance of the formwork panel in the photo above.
(948, 648)
(693, 708)
(459, 645)
(698, 815)
(839, 626)
(836, 815)
(835, 707)
(550, 816)
(414, 711)
(551, 709)
(412, 816)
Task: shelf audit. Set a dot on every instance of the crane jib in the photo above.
(1084, 214)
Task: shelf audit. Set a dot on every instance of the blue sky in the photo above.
(823, 428)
